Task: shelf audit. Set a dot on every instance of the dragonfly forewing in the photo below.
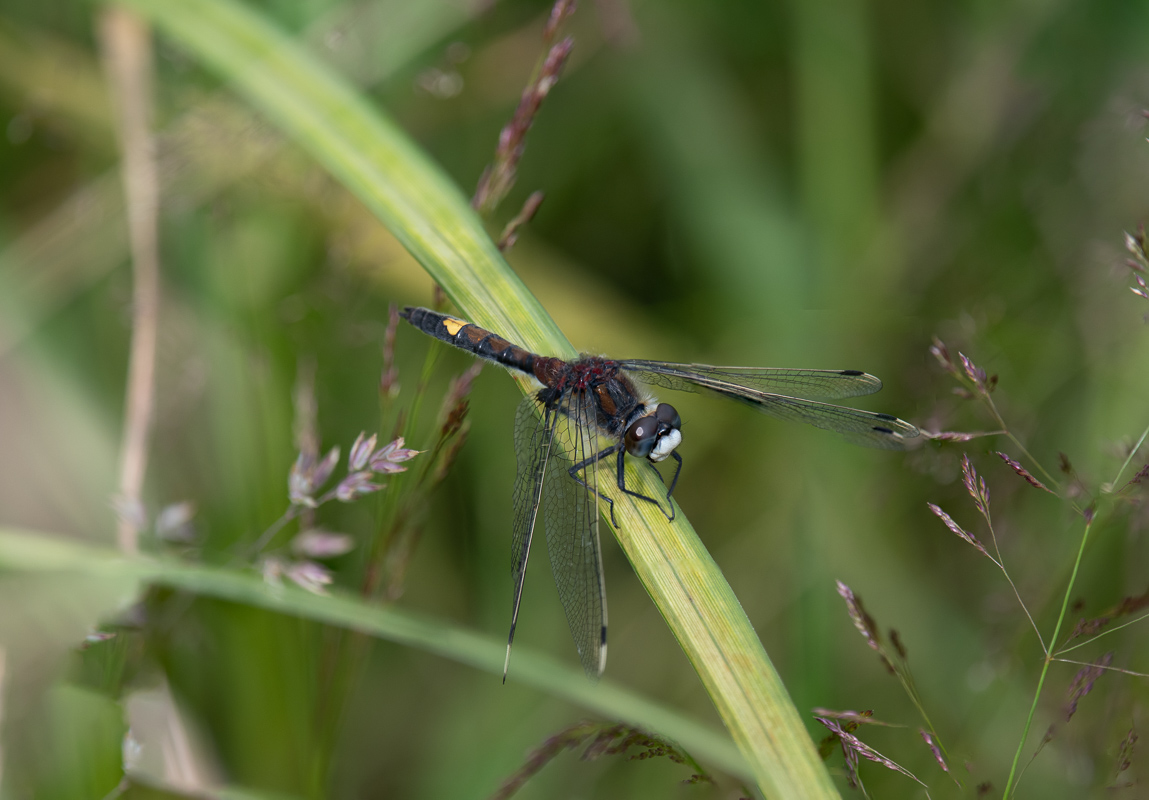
(811, 384)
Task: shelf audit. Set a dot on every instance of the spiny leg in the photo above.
(673, 482)
(587, 462)
(640, 495)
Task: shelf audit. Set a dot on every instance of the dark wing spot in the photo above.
(889, 417)
(883, 430)
(851, 372)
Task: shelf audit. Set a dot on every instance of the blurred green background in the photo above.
(812, 184)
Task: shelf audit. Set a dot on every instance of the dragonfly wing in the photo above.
(534, 438)
(867, 428)
(811, 384)
(786, 394)
(571, 514)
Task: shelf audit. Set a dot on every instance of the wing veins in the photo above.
(810, 384)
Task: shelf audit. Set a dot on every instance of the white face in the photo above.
(665, 445)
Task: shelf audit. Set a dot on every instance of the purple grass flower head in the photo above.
(939, 351)
(976, 374)
(852, 747)
(308, 575)
(389, 378)
(857, 717)
(325, 467)
(1125, 751)
(1083, 683)
(1141, 289)
(954, 436)
(1020, 470)
(1140, 475)
(498, 178)
(360, 452)
(308, 476)
(1089, 513)
(1136, 245)
(948, 521)
(929, 740)
(510, 233)
(388, 458)
(356, 485)
(975, 485)
(860, 617)
(560, 11)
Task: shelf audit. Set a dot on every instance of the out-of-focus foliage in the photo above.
(812, 184)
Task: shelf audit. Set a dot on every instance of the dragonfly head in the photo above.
(656, 435)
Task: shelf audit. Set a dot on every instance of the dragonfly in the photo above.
(592, 410)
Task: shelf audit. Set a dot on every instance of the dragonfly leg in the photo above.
(582, 465)
(673, 482)
(640, 495)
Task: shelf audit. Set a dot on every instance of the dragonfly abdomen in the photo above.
(467, 336)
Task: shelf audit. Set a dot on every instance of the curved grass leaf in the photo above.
(23, 551)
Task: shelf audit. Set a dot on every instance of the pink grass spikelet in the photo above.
(975, 485)
(308, 575)
(860, 617)
(307, 476)
(498, 178)
(387, 459)
(1020, 470)
(356, 485)
(560, 12)
(929, 740)
(974, 373)
(510, 233)
(299, 484)
(1125, 751)
(857, 717)
(361, 450)
(948, 521)
(322, 471)
(1083, 681)
(389, 378)
(939, 351)
(1139, 476)
(954, 436)
(850, 742)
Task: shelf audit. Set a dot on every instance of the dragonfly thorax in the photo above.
(654, 436)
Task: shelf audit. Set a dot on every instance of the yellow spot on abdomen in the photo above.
(453, 325)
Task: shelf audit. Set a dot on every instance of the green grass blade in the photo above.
(22, 551)
(432, 218)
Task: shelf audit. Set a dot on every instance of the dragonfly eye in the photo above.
(654, 436)
(641, 436)
(668, 414)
